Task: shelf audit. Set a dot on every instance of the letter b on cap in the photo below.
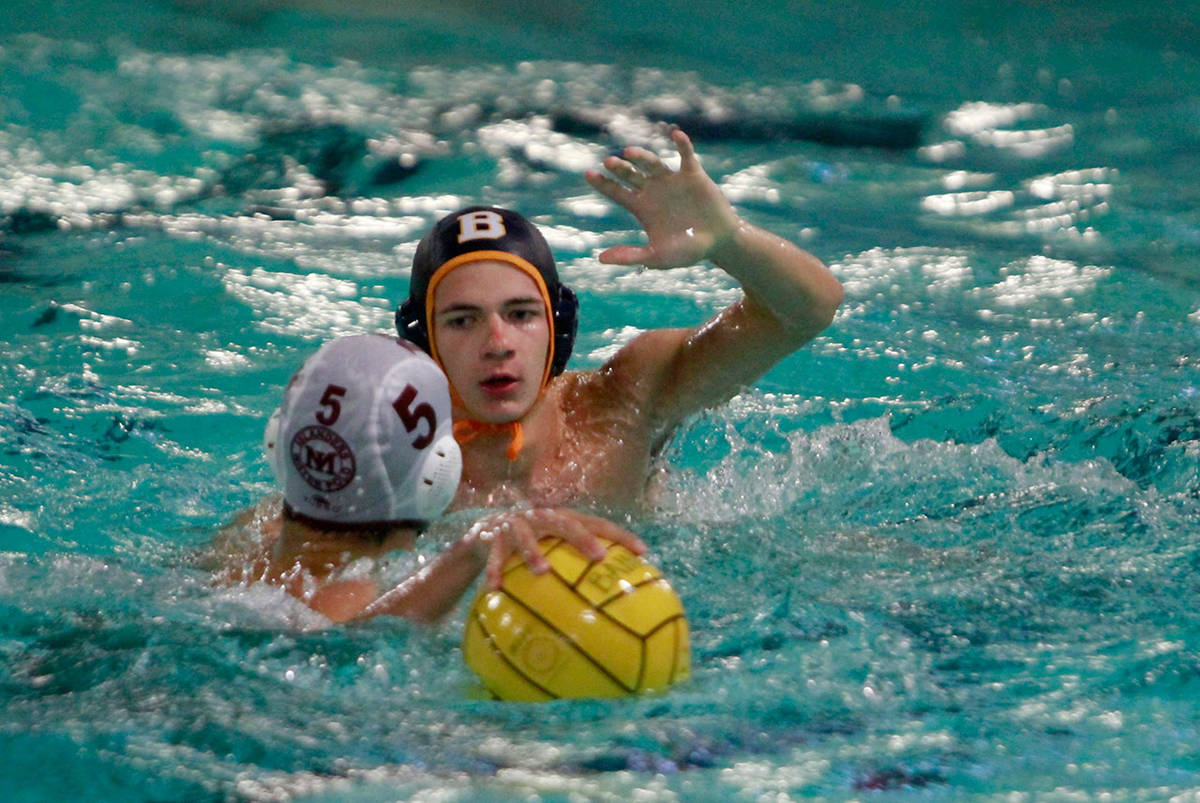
(480, 225)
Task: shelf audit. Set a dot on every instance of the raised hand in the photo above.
(683, 212)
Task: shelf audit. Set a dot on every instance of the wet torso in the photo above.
(587, 444)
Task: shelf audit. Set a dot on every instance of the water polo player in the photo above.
(486, 302)
(362, 450)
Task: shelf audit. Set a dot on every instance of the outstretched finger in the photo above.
(627, 255)
(531, 553)
(609, 188)
(625, 171)
(494, 570)
(613, 532)
(687, 152)
(580, 537)
(646, 161)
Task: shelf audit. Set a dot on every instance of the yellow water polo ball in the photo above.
(584, 629)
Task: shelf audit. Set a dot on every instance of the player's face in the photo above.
(492, 336)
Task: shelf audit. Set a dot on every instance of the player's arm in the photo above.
(790, 296)
(431, 592)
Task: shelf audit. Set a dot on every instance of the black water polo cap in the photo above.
(488, 232)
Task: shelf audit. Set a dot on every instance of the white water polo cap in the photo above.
(363, 438)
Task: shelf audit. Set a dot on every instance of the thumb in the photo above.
(627, 255)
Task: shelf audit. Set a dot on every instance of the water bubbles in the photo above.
(1041, 277)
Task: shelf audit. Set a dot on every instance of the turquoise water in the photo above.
(948, 551)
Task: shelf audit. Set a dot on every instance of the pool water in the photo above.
(947, 551)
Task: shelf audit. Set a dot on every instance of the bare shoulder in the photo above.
(245, 539)
(632, 380)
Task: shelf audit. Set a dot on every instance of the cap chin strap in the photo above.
(468, 430)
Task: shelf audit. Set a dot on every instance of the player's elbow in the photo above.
(830, 302)
(816, 313)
